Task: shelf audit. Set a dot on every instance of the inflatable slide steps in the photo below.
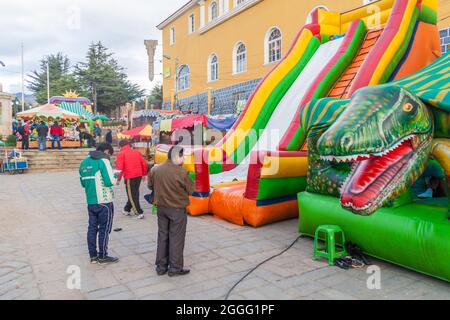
(342, 87)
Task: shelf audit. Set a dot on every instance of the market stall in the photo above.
(203, 129)
(49, 114)
(141, 138)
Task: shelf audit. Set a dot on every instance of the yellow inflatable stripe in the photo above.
(268, 86)
(395, 44)
(365, 12)
(284, 167)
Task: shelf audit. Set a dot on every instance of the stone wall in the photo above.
(5, 113)
(224, 100)
(445, 40)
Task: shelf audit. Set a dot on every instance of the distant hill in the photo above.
(29, 98)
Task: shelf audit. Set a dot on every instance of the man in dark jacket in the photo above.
(42, 136)
(171, 186)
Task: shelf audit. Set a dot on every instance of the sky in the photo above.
(69, 26)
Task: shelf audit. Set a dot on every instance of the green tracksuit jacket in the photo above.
(97, 178)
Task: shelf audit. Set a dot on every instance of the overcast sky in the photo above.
(69, 26)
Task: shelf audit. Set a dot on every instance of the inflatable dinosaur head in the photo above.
(386, 132)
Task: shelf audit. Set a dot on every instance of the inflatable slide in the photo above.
(394, 129)
(261, 164)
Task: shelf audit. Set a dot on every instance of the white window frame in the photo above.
(237, 69)
(210, 11)
(309, 16)
(238, 3)
(172, 36)
(186, 78)
(267, 45)
(191, 23)
(211, 68)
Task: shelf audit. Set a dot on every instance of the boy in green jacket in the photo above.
(97, 178)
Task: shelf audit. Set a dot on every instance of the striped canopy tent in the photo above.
(48, 111)
(144, 132)
(77, 108)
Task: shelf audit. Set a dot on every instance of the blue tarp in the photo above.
(221, 124)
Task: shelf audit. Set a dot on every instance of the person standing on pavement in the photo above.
(109, 137)
(97, 179)
(42, 136)
(133, 168)
(25, 133)
(171, 186)
(56, 132)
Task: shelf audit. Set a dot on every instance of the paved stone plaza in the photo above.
(43, 230)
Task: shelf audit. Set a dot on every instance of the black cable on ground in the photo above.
(259, 265)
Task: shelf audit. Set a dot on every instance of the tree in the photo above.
(155, 98)
(61, 78)
(105, 80)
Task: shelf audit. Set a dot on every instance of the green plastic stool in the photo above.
(330, 251)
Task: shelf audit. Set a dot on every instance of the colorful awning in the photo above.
(48, 111)
(144, 132)
(155, 113)
(77, 108)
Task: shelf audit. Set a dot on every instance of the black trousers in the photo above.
(25, 142)
(132, 186)
(171, 238)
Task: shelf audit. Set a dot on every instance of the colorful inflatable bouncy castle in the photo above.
(259, 167)
(371, 155)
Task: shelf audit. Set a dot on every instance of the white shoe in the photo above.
(141, 217)
(126, 213)
(427, 194)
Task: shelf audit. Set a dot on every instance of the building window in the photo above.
(238, 3)
(191, 24)
(213, 11)
(309, 18)
(272, 45)
(172, 36)
(183, 78)
(213, 68)
(240, 58)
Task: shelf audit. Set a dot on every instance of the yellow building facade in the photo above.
(216, 51)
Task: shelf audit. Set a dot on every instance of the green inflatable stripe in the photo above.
(402, 50)
(428, 15)
(274, 99)
(215, 168)
(342, 64)
(297, 140)
(331, 77)
(281, 187)
(415, 236)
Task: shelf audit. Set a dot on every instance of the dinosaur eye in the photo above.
(408, 107)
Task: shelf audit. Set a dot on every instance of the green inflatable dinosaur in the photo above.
(370, 149)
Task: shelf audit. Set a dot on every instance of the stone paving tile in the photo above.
(219, 253)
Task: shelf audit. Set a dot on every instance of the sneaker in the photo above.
(161, 272)
(107, 260)
(427, 194)
(94, 260)
(140, 217)
(126, 213)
